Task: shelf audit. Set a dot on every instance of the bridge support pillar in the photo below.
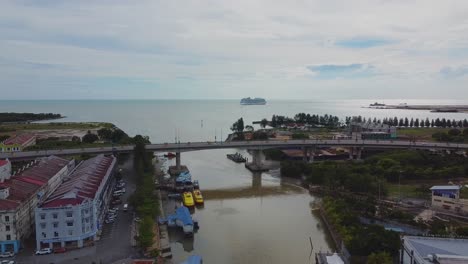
(178, 161)
(359, 153)
(256, 165)
(305, 152)
(311, 155)
(351, 153)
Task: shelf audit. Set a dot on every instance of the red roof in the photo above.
(82, 184)
(27, 183)
(4, 162)
(19, 139)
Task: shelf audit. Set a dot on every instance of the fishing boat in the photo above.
(187, 199)
(236, 157)
(198, 197)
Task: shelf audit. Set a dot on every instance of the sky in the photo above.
(193, 49)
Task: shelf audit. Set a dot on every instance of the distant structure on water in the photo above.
(253, 101)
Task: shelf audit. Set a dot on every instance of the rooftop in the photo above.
(447, 250)
(445, 187)
(19, 139)
(26, 184)
(82, 184)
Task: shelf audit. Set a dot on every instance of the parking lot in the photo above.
(113, 244)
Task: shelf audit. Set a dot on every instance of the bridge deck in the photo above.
(194, 146)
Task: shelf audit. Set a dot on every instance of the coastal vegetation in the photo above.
(26, 117)
(360, 240)
(144, 199)
(105, 137)
(452, 135)
(54, 126)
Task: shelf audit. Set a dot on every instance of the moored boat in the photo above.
(198, 197)
(187, 199)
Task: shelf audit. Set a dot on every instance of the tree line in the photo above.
(26, 117)
(406, 122)
(144, 200)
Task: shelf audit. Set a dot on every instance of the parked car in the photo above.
(60, 250)
(109, 221)
(7, 262)
(44, 251)
(7, 254)
(116, 202)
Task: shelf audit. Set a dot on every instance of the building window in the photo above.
(44, 235)
(7, 218)
(42, 216)
(43, 225)
(55, 215)
(7, 228)
(70, 223)
(55, 234)
(55, 224)
(8, 237)
(69, 214)
(70, 232)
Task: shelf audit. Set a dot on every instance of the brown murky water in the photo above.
(248, 218)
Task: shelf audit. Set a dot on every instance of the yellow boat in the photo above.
(187, 199)
(198, 197)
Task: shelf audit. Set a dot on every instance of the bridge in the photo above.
(307, 145)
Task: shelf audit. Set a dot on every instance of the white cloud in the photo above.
(227, 48)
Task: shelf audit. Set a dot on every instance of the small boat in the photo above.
(195, 259)
(198, 197)
(170, 155)
(196, 185)
(187, 199)
(237, 157)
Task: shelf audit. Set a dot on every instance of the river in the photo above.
(247, 217)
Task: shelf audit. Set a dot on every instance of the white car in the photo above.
(7, 254)
(7, 262)
(44, 251)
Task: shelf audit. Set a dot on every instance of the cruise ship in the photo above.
(252, 101)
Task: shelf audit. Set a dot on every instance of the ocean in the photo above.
(203, 120)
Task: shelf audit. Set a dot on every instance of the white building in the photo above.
(20, 193)
(73, 214)
(5, 170)
(433, 250)
(447, 197)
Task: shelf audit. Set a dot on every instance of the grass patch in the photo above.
(409, 191)
(421, 133)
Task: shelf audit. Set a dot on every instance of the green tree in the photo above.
(263, 123)
(146, 234)
(90, 138)
(379, 258)
(105, 133)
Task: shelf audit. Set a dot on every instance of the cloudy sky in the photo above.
(230, 49)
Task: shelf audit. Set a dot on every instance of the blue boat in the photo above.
(194, 259)
(182, 218)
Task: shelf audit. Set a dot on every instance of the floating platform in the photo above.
(256, 168)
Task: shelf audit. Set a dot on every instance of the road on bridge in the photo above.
(194, 146)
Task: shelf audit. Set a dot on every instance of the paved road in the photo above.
(193, 146)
